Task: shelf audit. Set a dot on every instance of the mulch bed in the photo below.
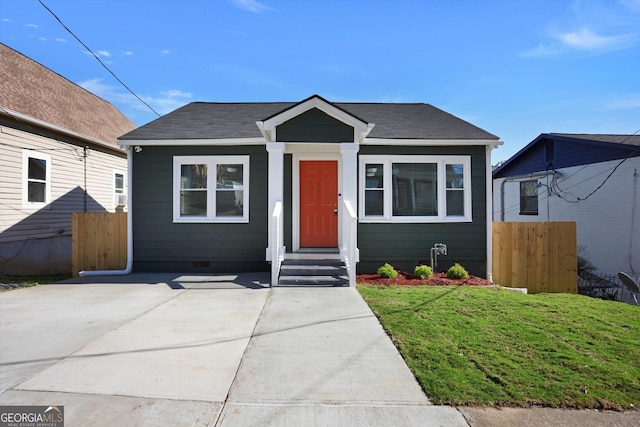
(408, 279)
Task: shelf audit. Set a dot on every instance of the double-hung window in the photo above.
(211, 189)
(36, 179)
(415, 188)
(529, 198)
(119, 190)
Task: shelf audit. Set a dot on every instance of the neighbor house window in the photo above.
(529, 198)
(36, 179)
(119, 191)
(415, 188)
(211, 189)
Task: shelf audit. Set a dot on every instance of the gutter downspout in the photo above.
(129, 266)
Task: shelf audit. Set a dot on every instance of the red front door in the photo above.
(318, 204)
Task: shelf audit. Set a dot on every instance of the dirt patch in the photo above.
(408, 279)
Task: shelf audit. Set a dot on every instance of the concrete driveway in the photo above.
(131, 350)
(180, 350)
(151, 349)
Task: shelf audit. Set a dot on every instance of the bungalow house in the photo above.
(590, 179)
(59, 156)
(236, 186)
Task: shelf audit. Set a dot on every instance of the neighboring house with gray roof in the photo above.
(588, 178)
(59, 155)
(235, 186)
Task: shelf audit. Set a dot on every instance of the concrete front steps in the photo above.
(313, 269)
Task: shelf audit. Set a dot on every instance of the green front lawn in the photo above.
(490, 346)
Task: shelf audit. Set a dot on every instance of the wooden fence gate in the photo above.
(99, 241)
(539, 256)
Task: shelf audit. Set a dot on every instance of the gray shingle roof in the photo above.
(212, 120)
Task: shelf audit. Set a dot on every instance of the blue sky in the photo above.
(514, 68)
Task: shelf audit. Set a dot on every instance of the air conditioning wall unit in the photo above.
(121, 200)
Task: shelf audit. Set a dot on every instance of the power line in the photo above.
(557, 190)
(98, 58)
(554, 188)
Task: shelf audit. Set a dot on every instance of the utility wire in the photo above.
(554, 188)
(98, 58)
(557, 190)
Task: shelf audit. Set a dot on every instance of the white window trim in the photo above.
(26, 204)
(211, 162)
(124, 188)
(441, 162)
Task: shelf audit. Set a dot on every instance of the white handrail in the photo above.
(350, 254)
(277, 250)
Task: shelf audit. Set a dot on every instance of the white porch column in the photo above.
(349, 152)
(349, 193)
(276, 186)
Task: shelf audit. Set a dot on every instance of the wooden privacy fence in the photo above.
(539, 256)
(99, 241)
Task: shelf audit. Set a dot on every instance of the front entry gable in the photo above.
(314, 120)
(314, 125)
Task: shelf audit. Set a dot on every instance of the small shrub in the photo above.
(387, 271)
(457, 272)
(422, 271)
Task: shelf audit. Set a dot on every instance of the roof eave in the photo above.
(46, 125)
(432, 142)
(202, 141)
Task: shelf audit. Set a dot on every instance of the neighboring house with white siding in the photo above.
(591, 179)
(59, 155)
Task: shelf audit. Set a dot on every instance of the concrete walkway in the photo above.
(161, 349)
(320, 357)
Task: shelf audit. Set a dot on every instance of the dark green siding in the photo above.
(405, 245)
(161, 245)
(314, 126)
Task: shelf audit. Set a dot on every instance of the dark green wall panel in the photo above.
(405, 245)
(314, 126)
(158, 242)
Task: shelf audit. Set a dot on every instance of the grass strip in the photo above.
(490, 346)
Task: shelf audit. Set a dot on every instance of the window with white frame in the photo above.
(211, 189)
(36, 179)
(415, 188)
(119, 189)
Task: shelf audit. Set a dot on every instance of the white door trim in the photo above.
(295, 190)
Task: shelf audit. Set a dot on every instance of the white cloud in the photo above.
(164, 102)
(32, 25)
(540, 51)
(128, 53)
(97, 87)
(168, 100)
(166, 52)
(104, 53)
(585, 39)
(624, 102)
(250, 5)
(598, 28)
(61, 40)
(6, 20)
